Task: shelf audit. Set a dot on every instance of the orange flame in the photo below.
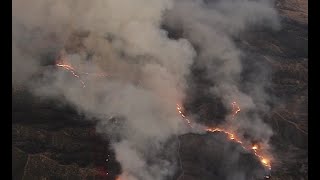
(71, 69)
(264, 161)
(254, 147)
(235, 110)
(183, 116)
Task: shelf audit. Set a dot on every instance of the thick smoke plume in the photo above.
(211, 27)
(146, 69)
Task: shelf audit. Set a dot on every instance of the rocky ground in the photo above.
(55, 142)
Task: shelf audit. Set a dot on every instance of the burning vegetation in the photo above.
(255, 148)
(149, 73)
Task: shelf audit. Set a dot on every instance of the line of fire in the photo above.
(254, 148)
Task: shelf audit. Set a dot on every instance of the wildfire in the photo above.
(71, 69)
(65, 66)
(183, 116)
(235, 109)
(264, 161)
(254, 147)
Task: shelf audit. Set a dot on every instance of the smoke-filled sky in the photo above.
(147, 70)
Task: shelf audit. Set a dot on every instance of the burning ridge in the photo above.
(256, 149)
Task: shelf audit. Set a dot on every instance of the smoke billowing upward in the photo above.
(147, 69)
(211, 27)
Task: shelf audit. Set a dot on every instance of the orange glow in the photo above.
(183, 116)
(254, 147)
(264, 161)
(235, 109)
(65, 66)
(231, 135)
(71, 69)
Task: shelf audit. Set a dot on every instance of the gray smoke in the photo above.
(146, 69)
(211, 26)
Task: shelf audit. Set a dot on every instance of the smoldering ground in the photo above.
(148, 70)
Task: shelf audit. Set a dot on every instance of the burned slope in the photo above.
(278, 61)
(281, 58)
(51, 140)
(285, 52)
(213, 156)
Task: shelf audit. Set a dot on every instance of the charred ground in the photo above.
(51, 140)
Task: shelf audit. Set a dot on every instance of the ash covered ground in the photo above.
(51, 139)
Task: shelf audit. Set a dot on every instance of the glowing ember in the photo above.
(264, 161)
(254, 147)
(183, 116)
(71, 69)
(230, 135)
(235, 109)
(65, 66)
